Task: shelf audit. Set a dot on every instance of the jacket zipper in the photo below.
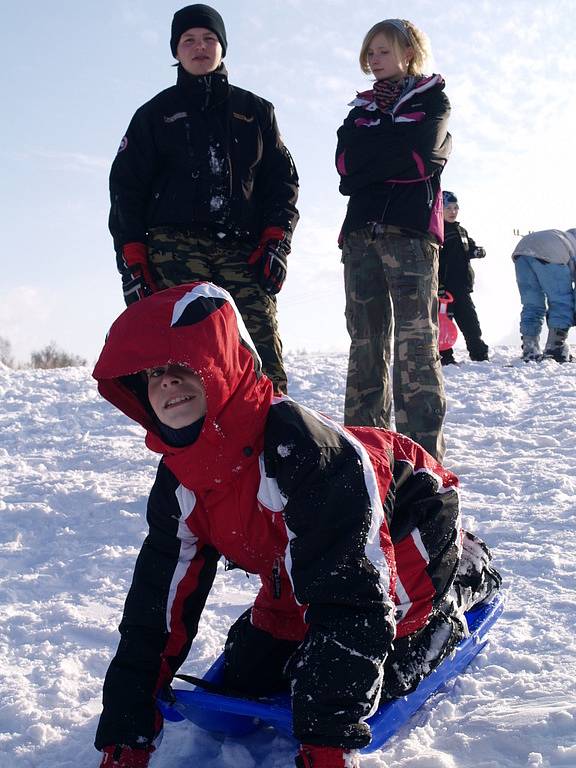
(208, 82)
(430, 193)
(276, 580)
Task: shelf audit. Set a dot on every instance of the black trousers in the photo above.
(255, 661)
(258, 664)
(466, 317)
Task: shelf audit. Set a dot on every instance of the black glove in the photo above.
(478, 253)
(271, 258)
(274, 264)
(137, 282)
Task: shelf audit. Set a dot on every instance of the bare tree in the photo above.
(52, 357)
(6, 352)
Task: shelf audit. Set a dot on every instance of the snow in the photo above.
(74, 478)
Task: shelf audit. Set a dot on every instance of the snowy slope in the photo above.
(74, 477)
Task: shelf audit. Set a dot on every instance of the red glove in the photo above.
(137, 281)
(311, 756)
(270, 256)
(120, 756)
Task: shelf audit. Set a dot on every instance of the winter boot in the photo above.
(415, 656)
(447, 357)
(312, 756)
(556, 347)
(531, 349)
(121, 756)
(477, 581)
(479, 352)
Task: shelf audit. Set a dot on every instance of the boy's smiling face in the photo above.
(176, 394)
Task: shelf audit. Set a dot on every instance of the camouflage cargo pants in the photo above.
(391, 282)
(183, 255)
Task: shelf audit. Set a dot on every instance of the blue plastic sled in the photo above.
(238, 717)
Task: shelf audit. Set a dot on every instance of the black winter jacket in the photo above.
(455, 272)
(390, 162)
(202, 152)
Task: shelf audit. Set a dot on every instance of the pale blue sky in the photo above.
(73, 73)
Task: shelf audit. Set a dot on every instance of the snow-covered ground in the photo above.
(74, 478)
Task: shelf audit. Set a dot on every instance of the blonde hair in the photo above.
(401, 34)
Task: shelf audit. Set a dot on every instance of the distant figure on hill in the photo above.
(202, 188)
(455, 275)
(391, 150)
(545, 263)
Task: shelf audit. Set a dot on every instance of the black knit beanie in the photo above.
(198, 15)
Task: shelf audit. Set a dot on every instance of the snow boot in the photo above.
(531, 349)
(415, 656)
(447, 357)
(121, 756)
(477, 581)
(556, 347)
(312, 756)
(479, 352)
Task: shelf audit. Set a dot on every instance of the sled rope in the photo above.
(218, 689)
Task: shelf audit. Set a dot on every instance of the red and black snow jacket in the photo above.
(390, 162)
(206, 153)
(354, 533)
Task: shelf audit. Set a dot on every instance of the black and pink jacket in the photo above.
(353, 533)
(390, 162)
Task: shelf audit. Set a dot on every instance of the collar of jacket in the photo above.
(218, 458)
(205, 90)
(413, 86)
(571, 236)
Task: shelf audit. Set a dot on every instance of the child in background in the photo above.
(455, 275)
(355, 534)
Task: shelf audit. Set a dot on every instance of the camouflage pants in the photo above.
(391, 281)
(179, 256)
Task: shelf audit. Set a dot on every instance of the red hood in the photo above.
(196, 325)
